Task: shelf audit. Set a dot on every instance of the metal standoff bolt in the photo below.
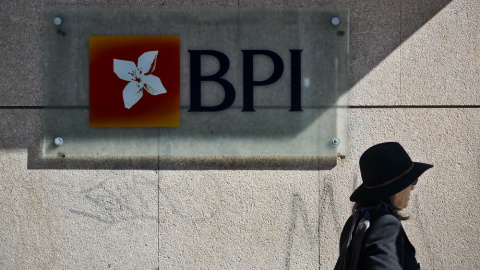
(335, 142)
(58, 141)
(335, 21)
(57, 21)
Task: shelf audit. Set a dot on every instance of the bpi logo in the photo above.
(135, 81)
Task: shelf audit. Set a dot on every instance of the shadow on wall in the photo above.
(376, 29)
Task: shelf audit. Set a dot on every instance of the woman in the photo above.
(373, 237)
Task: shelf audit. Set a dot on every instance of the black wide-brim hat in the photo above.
(386, 169)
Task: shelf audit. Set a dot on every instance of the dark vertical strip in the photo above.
(296, 82)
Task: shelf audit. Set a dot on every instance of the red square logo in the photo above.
(134, 81)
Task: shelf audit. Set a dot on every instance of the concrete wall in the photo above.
(414, 77)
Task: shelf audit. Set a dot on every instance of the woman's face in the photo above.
(401, 199)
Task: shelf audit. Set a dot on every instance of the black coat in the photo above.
(385, 245)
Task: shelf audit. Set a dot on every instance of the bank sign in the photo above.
(255, 82)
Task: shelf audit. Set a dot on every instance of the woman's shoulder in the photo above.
(383, 244)
(384, 220)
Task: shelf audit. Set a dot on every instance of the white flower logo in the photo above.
(138, 77)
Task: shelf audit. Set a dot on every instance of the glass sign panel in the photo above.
(196, 82)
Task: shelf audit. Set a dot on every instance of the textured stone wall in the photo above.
(414, 78)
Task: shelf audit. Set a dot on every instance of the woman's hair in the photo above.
(384, 203)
